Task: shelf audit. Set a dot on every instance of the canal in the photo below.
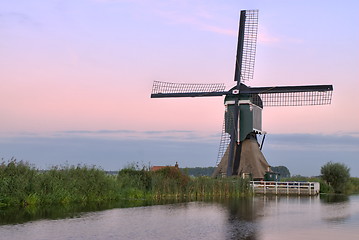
(257, 218)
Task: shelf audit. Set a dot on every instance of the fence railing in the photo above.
(285, 188)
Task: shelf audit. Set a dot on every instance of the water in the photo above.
(258, 218)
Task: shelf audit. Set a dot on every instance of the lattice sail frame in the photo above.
(224, 143)
(168, 88)
(308, 98)
(249, 45)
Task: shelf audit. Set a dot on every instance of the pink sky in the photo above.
(89, 65)
(67, 71)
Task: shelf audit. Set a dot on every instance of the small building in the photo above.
(156, 168)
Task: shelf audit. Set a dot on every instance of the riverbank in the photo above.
(23, 185)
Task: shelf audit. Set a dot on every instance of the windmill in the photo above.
(240, 153)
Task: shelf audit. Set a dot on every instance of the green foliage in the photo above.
(21, 184)
(335, 179)
(144, 184)
(170, 182)
(353, 186)
(17, 179)
(137, 178)
(198, 171)
(336, 175)
(134, 183)
(203, 187)
(282, 170)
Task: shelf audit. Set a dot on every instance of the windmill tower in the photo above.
(240, 152)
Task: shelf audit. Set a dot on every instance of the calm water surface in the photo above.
(256, 218)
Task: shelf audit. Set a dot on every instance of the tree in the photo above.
(198, 171)
(282, 170)
(336, 175)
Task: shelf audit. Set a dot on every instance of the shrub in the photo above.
(336, 175)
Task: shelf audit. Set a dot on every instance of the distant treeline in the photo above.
(207, 171)
(198, 171)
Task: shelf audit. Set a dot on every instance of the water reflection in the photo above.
(17, 215)
(334, 198)
(241, 219)
(258, 218)
(335, 208)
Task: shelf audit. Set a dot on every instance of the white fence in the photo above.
(285, 188)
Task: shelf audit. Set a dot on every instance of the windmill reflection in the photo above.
(243, 215)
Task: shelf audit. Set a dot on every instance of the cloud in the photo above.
(343, 141)
(196, 19)
(198, 14)
(96, 132)
(14, 16)
(17, 19)
(316, 142)
(302, 153)
(110, 154)
(216, 29)
(265, 38)
(121, 134)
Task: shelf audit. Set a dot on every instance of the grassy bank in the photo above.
(23, 185)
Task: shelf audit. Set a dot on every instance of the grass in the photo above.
(172, 183)
(21, 184)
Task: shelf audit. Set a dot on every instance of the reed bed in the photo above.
(171, 183)
(23, 185)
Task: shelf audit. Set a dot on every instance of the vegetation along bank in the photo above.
(23, 185)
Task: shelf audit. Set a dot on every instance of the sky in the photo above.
(76, 79)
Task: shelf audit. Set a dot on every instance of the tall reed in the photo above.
(170, 182)
(22, 184)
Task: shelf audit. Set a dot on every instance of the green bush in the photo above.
(353, 185)
(336, 175)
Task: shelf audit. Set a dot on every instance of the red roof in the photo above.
(155, 168)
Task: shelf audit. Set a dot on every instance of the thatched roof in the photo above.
(252, 160)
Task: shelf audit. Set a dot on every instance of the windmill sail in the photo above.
(166, 89)
(292, 95)
(246, 48)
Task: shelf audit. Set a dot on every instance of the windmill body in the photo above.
(250, 111)
(240, 153)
